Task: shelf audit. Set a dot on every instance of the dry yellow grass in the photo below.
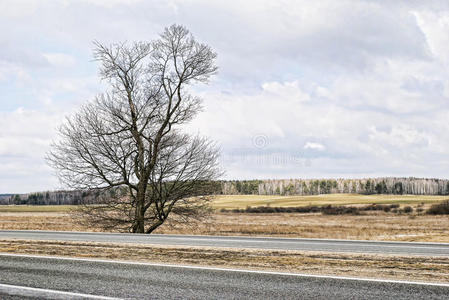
(372, 226)
(242, 201)
(429, 269)
(41, 221)
(37, 208)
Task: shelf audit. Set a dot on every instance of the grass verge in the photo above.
(414, 268)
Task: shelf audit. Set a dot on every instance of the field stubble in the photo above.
(370, 225)
(375, 225)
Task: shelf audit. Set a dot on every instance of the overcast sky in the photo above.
(305, 89)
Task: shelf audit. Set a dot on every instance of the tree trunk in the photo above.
(139, 225)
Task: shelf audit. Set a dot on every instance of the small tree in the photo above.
(368, 187)
(130, 136)
(381, 187)
(17, 199)
(398, 188)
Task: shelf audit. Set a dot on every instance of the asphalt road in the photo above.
(77, 279)
(347, 246)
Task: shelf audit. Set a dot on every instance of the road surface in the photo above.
(31, 277)
(347, 246)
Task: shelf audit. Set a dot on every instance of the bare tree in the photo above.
(128, 142)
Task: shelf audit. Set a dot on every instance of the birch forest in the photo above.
(385, 185)
(283, 187)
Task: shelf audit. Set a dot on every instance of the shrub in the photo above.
(269, 209)
(340, 210)
(374, 206)
(439, 209)
(408, 209)
(327, 210)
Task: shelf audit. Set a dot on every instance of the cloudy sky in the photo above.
(305, 88)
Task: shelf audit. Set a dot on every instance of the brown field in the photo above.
(373, 225)
(242, 201)
(416, 268)
(36, 208)
(370, 226)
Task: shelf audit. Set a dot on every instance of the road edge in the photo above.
(3, 254)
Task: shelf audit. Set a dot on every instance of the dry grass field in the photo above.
(242, 201)
(372, 225)
(36, 208)
(369, 225)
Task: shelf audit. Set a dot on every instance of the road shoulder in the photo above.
(393, 267)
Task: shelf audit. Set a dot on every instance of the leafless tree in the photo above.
(128, 142)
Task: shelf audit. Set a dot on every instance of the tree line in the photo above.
(383, 185)
(287, 187)
(53, 198)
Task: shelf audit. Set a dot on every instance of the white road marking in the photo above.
(183, 240)
(218, 237)
(303, 243)
(226, 269)
(26, 291)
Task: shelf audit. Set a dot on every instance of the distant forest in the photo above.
(385, 185)
(51, 198)
(285, 187)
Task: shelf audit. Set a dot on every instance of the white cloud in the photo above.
(111, 3)
(18, 9)
(60, 59)
(314, 146)
(286, 90)
(354, 88)
(435, 25)
(399, 136)
(25, 137)
(8, 71)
